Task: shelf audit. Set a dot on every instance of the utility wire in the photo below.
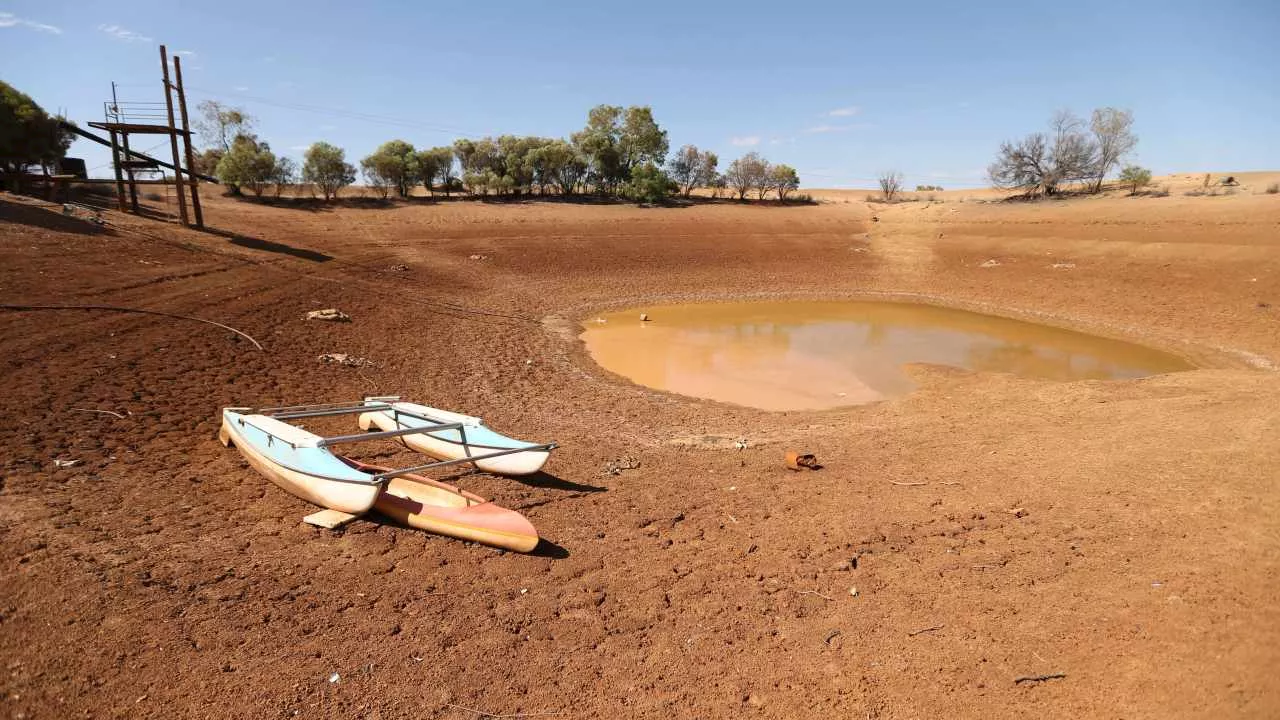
(339, 112)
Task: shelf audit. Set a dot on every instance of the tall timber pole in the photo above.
(173, 138)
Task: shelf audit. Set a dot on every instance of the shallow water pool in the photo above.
(805, 355)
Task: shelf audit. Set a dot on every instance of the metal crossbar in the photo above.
(321, 406)
(461, 461)
(294, 415)
(325, 442)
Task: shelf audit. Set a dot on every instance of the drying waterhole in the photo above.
(811, 355)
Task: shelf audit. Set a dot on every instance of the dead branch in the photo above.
(811, 592)
(104, 412)
(925, 630)
(908, 484)
(482, 713)
(830, 636)
(115, 308)
(1038, 678)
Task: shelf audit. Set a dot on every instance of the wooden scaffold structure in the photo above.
(123, 119)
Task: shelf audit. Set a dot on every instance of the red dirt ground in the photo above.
(1125, 534)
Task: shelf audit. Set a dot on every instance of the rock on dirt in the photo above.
(329, 314)
(615, 467)
(344, 359)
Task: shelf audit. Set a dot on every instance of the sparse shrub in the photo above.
(1273, 188)
(326, 167)
(649, 184)
(1162, 192)
(1135, 177)
(747, 172)
(784, 180)
(1197, 192)
(890, 184)
(249, 163)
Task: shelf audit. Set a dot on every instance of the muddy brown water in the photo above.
(806, 355)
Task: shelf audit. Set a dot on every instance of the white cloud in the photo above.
(11, 20)
(748, 141)
(240, 88)
(844, 111)
(120, 33)
(826, 128)
(782, 140)
(185, 53)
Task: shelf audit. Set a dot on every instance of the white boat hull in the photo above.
(518, 463)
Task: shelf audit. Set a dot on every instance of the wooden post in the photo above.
(128, 171)
(186, 129)
(173, 138)
(115, 162)
(124, 141)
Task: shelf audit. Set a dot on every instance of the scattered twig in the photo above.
(811, 592)
(908, 484)
(115, 308)
(734, 519)
(830, 636)
(925, 630)
(1038, 678)
(944, 482)
(104, 412)
(987, 567)
(482, 713)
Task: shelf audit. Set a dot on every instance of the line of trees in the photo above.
(1071, 152)
(621, 152)
(28, 135)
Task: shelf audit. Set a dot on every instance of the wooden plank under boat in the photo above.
(474, 438)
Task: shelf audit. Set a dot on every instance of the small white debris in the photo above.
(853, 591)
(644, 317)
(1063, 266)
(601, 320)
(478, 257)
(65, 463)
(528, 362)
(344, 359)
(990, 263)
(524, 591)
(741, 444)
(335, 678)
(329, 314)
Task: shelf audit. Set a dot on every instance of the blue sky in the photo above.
(841, 91)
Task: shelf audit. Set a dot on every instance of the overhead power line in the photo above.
(340, 112)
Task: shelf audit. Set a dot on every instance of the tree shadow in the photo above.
(311, 204)
(49, 219)
(269, 246)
